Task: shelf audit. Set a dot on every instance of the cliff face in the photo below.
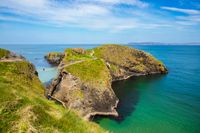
(24, 107)
(85, 78)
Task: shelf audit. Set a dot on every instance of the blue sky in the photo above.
(98, 21)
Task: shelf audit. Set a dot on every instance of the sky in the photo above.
(99, 21)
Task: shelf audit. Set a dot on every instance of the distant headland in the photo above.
(163, 43)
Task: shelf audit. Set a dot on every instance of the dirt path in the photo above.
(76, 62)
(61, 67)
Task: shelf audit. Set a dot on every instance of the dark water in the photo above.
(159, 103)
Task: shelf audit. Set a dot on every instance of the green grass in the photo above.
(71, 55)
(115, 54)
(93, 72)
(23, 107)
(131, 58)
(3, 53)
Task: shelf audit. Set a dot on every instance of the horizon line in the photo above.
(130, 43)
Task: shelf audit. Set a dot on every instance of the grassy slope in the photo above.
(91, 71)
(23, 107)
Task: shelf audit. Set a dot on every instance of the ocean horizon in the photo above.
(97, 44)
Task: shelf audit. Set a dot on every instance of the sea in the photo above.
(148, 104)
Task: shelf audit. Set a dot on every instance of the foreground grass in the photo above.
(23, 107)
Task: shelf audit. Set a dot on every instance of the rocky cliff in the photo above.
(85, 78)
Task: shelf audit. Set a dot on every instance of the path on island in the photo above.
(76, 62)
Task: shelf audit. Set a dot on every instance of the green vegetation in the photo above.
(116, 54)
(23, 107)
(133, 59)
(78, 54)
(4, 53)
(114, 69)
(78, 94)
(54, 54)
(139, 68)
(91, 71)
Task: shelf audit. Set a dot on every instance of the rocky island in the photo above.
(85, 76)
(23, 106)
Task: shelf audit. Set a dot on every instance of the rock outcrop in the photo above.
(54, 57)
(85, 78)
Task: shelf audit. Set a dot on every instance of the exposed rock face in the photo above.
(85, 78)
(54, 57)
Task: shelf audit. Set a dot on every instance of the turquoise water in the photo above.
(160, 103)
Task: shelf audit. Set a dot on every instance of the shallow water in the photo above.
(159, 103)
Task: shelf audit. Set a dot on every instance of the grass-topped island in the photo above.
(85, 77)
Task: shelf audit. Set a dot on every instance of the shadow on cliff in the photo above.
(128, 91)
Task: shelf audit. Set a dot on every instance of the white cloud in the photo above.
(52, 12)
(137, 3)
(88, 14)
(192, 16)
(187, 11)
(93, 14)
(190, 20)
